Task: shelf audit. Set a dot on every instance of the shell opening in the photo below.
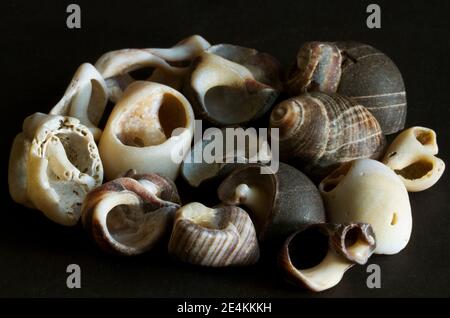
(142, 127)
(332, 181)
(75, 146)
(231, 105)
(357, 246)
(142, 73)
(416, 170)
(308, 248)
(425, 137)
(394, 219)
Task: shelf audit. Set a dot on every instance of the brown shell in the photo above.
(321, 131)
(150, 217)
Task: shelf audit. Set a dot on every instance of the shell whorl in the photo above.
(324, 130)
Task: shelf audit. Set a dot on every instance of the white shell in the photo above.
(115, 66)
(54, 163)
(150, 126)
(85, 98)
(412, 156)
(367, 191)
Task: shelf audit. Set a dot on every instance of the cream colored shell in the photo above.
(85, 98)
(367, 191)
(412, 156)
(150, 130)
(54, 163)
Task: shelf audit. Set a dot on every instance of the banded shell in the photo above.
(321, 131)
(318, 256)
(356, 70)
(129, 215)
(232, 85)
(218, 237)
(279, 202)
(367, 191)
(412, 157)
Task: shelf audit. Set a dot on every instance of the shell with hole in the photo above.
(85, 98)
(279, 202)
(321, 131)
(318, 256)
(355, 70)
(129, 215)
(216, 237)
(150, 129)
(232, 85)
(412, 157)
(53, 164)
(170, 66)
(367, 191)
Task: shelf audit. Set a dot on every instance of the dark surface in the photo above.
(40, 55)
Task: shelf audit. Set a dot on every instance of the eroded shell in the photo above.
(279, 202)
(150, 130)
(318, 256)
(321, 131)
(222, 236)
(85, 98)
(129, 215)
(367, 191)
(231, 85)
(355, 70)
(170, 65)
(412, 157)
(54, 163)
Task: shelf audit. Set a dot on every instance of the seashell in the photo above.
(223, 236)
(367, 191)
(129, 215)
(355, 70)
(225, 154)
(85, 98)
(149, 128)
(318, 256)
(279, 202)
(321, 131)
(53, 164)
(170, 65)
(231, 85)
(412, 157)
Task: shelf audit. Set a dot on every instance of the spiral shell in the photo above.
(321, 131)
(223, 236)
(356, 70)
(129, 215)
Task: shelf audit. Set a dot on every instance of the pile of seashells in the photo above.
(344, 97)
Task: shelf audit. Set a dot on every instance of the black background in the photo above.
(39, 56)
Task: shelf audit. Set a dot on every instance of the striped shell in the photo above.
(129, 215)
(355, 70)
(223, 236)
(321, 131)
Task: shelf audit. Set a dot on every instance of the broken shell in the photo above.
(318, 256)
(85, 98)
(279, 202)
(224, 154)
(150, 129)
(230, 85)
(355, 70)
(54, 163)
(129, 215)
(367, 191)
(222, 236)
(412, 157)
(170, 65)
(321, 131)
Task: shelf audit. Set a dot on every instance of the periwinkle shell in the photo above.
(279, 202)
(321, 131)
(355, 70)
